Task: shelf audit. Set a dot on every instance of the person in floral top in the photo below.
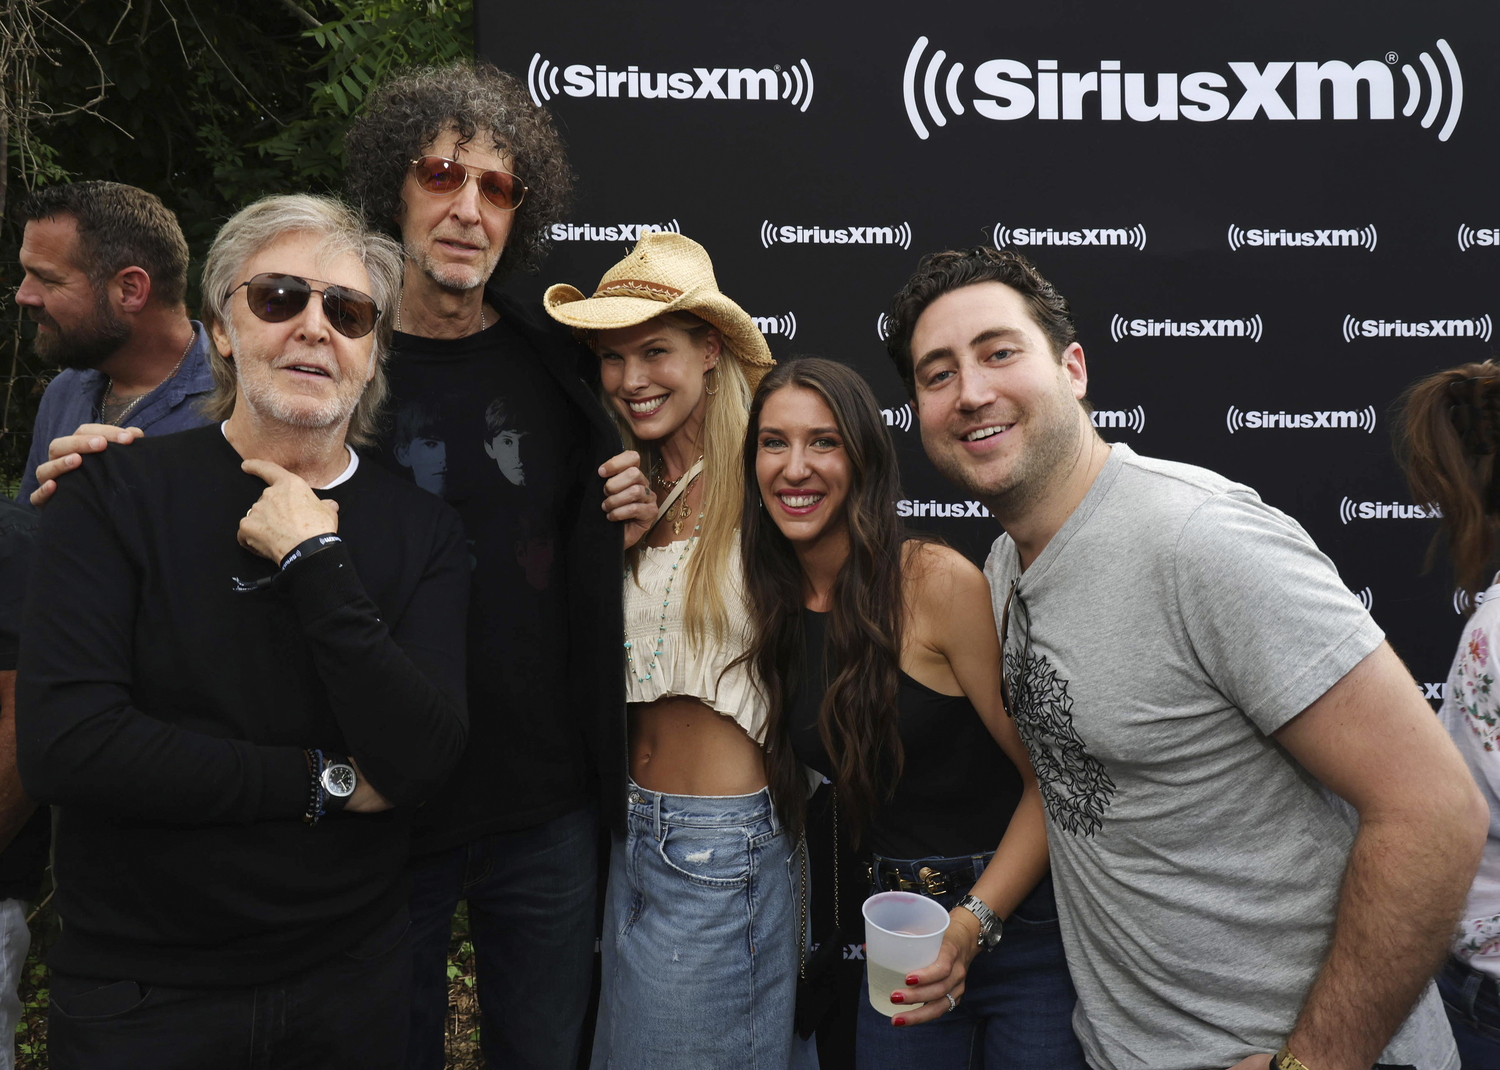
(1450, 436)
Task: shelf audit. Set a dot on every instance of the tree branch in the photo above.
(301, 13)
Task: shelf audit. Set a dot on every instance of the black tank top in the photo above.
(957, 788)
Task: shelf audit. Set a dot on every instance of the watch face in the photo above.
(339, 780)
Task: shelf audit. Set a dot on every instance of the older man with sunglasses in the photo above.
(245, 675)
(462, 167)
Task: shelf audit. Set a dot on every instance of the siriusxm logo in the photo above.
(1468, 237)
(1351, 510)
(1120, 419)
(793, 85)
(1366, 598)
(907, 507)
(790, 234)
(898, 417)
(1121, 328)
(1333, 238)
(1337, 419)
(626, 232)
(786, 325)
(1432, 328)
(1435, 692)
(1023, 237)
(1009, 89)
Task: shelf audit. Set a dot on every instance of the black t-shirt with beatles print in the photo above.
(483, 423)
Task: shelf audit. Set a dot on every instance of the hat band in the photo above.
(651, 291)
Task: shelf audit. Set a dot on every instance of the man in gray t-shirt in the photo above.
(1260, 836)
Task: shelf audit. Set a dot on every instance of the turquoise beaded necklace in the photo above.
(667, 594)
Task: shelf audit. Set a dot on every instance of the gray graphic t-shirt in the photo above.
(1171, 625)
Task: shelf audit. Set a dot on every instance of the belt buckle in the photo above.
(933, 882)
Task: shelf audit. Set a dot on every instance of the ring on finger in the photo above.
(952, 1003)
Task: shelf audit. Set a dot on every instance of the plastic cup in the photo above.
(903, 932)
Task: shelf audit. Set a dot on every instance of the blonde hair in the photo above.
(727, 414)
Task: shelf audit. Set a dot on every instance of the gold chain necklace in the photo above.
(109, 390)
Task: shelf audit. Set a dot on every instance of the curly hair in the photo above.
(407, 114)
(941, 273)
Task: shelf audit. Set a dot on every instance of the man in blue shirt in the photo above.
(106, 274)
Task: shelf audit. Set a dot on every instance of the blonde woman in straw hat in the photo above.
(700, 930)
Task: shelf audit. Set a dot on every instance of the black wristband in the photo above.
(308, 547)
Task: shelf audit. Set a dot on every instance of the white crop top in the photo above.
(680, 669)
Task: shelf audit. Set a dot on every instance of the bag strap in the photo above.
(678, 490)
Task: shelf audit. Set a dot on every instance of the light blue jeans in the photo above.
(700, 936)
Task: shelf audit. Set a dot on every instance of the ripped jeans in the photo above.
(700, 936)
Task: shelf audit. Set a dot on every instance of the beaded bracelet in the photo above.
(316, 798)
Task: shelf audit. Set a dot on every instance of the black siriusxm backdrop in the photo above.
(1160, 163)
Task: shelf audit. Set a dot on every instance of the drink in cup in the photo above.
(903, 932)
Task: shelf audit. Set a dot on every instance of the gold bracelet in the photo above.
(1285, 1060)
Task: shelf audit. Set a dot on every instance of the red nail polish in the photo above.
(911, 979)
(898, 1020)
(897, 997)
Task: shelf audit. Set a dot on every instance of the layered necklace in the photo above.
(109, 390)
(669, 485)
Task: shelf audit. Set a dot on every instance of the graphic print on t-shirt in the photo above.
(416, 445)
(1076, 788)
(502, 441)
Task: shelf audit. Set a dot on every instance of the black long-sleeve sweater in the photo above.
(166, 714)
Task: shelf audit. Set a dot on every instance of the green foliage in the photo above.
(360, 47)
(209, 104)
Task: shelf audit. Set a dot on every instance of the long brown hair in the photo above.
(857, 719)
(1447, 439)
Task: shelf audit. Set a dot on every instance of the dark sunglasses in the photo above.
(1005, 688)
(441, 176)
(276, 298)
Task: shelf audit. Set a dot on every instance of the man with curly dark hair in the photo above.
(469, 174)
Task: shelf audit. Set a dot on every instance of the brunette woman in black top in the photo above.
(882, 667)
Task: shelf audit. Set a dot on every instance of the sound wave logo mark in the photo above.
(882, 327)
(1026, 237)
(1463, 605)
(1435, 92)
(793, 84)
(1465, 237)
(537, 79)
(1009, 89)
(792, 234)
(1480, 327)
(1347, 510)
(898, 417)
(929, 88)
(1366, 598)
(1249, 327)
(1125, 419)
(1236, 420)
(1364, 237)
(786, 325)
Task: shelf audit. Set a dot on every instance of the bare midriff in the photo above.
(680, 746)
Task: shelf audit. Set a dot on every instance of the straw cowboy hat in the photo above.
(665, 272)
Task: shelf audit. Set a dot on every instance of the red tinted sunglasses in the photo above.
(441, 176)
(276, 298)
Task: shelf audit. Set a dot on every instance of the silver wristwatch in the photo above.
(990, 927)
(339, 780)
